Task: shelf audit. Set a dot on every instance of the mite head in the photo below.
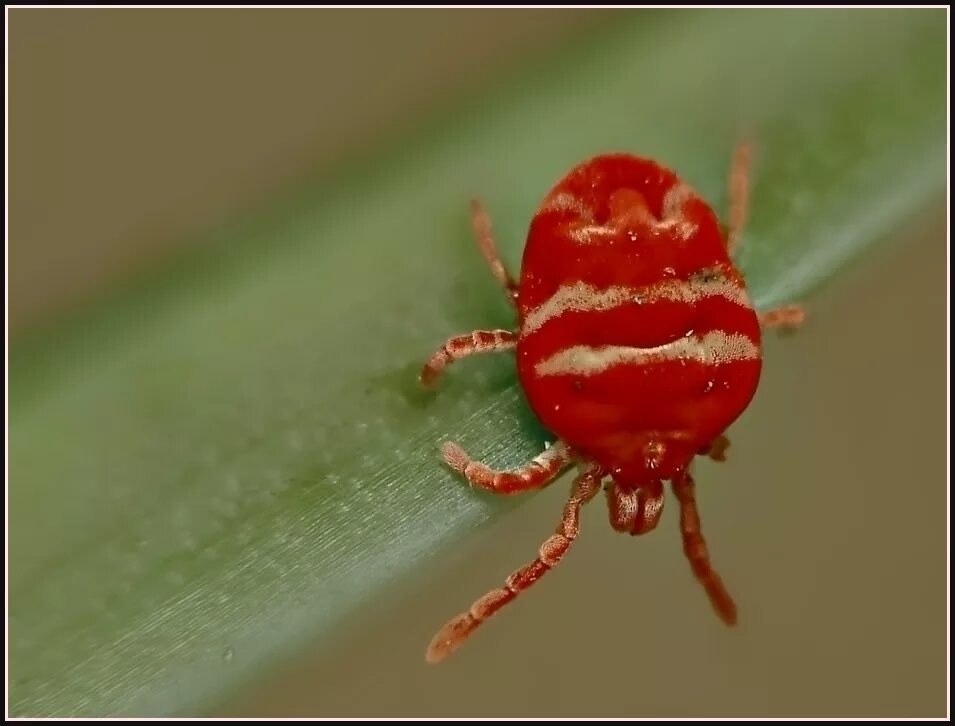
(634, 510)
(635, 498)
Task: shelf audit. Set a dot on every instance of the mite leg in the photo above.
(694, 547)
(738, 196)
(481, 222)
(480, 341)
(785, 316)
(717, 448)
(456, 630)
(534, 475)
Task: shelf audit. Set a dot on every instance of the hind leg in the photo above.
(738, 196)
(785, 316)
(481, 222)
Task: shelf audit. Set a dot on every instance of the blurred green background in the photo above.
(235, 235)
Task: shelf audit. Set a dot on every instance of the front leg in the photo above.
(716, 449)
(533, 475)
(457, 630)
(480, 341)
(696, 551)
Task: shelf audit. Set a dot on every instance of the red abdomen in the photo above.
(638, 343)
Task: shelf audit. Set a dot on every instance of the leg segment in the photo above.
(456, 630)
(739, 196)
(786, 316)
(694, 546)
(481, 222)
(480, 341)
(534, 475)
(717, 448)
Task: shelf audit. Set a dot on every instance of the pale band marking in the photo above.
(672, 216)
(565, 201)
(581, 297)
(675, 199)
(585, 234)
(713, 348)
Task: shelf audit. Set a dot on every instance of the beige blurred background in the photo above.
(839, 616)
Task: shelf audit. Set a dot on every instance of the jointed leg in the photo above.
(694, 546)
(717, 448)
(739, 196)
(485, 239)
(456, 630)
(480, 341)
(785, 316)
(534, 475)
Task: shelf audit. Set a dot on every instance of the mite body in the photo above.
(637, 345)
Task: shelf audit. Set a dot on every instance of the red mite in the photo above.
(637, 345)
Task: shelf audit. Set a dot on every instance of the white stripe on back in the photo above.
(581, 297)
(566, 201)
(713, 348)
